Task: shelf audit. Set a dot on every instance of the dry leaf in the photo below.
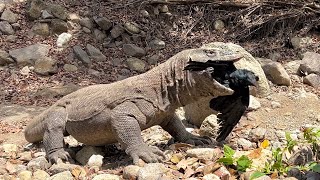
(210, 168)
(78, 173)
(265, 144)
(256, 153)
(176, 158)
(188, 172)
(184, 163)
(179, 146)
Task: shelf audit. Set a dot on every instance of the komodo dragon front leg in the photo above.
(177, 130)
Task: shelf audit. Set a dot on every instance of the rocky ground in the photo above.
(49, 50)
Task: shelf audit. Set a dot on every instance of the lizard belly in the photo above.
(94, 131)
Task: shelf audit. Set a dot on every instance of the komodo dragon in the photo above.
(117, 112)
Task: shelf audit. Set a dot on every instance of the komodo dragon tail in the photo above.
(35, 130)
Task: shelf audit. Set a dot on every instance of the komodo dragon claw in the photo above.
(59, 154)
(149, 154)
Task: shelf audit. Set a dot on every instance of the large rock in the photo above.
(292, 67)
(116, 31)
(5, 58)
(9, 16)
(81, 55)
(310, 63)
(277, 74)
(6, 28)
(58, 11)
(45, 66)
(136, 64)
(86, 22)
(131, 28)
(95, 53)
(29, 54)
(312, 80)
(59, 26)
(133, 50)
(99, 35)
(103, 23)
(41, 29)
(35, 8)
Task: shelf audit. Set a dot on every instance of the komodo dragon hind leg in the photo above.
(126, 119)
(53, 136)
(178, 131)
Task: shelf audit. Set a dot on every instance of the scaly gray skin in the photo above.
(117, 112)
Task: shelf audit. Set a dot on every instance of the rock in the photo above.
(95, 160)
(58, 11)
(86, 152)
(312, 176)
(301, 157)
(152, 171)
(275, 104)
(295, 172)
(103, 23)
(209, 126)
(154, 59)
(95, 53)
(275, 56)
(27, 55)
(257, 134)
(45, 66)
(157, 44)
(61, 167)
(136, 64)
(116, 31)
(131, 172)
(59, 26)
(301, 42)
(25, 71)
(38, 163)
(211, 177)
(292, 67)
(254, 104)
(144, 13)
(106, 177)
(73, 17)
(86, 22)
(16, 26)
(310, 63)
(35, 8)
(2, 7)
(117, 61)
(9, 16)
(41, 29)
(133, 50)
(5, 58)
(244, 143)
(66, 175)
(94, 72)
(99, 35)
(70, 68)
(46, 15)
(223, 173)
(277, 74)
(63, 39)
(6, 28)
(218, 25)
(40, 175)
(86, 30)
(131, 28)
(25, 175)
(25, 156)
(202, 153)
(163, 9)
(9, 148)
(56, 91)
(82, 55)
(312, 80)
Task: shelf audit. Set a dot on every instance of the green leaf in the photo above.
(288, 136)
(316, 168)
(226, 161)
(256, 175)
(243, 163)
(228, 151)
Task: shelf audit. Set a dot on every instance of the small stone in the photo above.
(145, 13)
(66, 175)
(157, 44)
(58, 11)
(11, 38)
(63, 39)
(86, 152)
(6, 28)
(275, 105)
(95, 160)
(152, 171)
(16, 26)
(116, 31)
(163, 9)
(73, 17)
(312, 80)
(46, 15)
(95, 53)
(133, 50)
(209, 127)
(310, 63)
(119, 43)
(154, 59)
(25, 156)
(301, 42)
(35, 8)
(211, 177)
(94, 72)
(254, 104)
(131, 28)
(40, 175)
(11, 168)
(59, 26)
(136, 64)
(223, 173)
(25, 71)
(202, 153)
(5, 58)
(292, 67)
(86, 30)
(45, 66)
(9, 16)
(81, 55)
(86, 22)
(275, 56)
(257, 134)
(38, 163)
(218, 25)
(106, 177)
(2, 7)
(277, 74)
(117, 61)
(25, 175)
(103, 23)
(61, 167)
(99, 35)
(312, 175)
(70, 68)
(41, 29)
(131, 172)
(39, 154)
(10, 148)
(244, 143)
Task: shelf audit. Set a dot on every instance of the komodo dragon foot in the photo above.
(150, 154)
(58, 154)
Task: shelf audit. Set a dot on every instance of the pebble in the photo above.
(95, 160)
(40, 175)
(66, 175)
(202, 153)
(106, 177)
(63, 39)
(131, 172)
(25, 175)
(152, 171)
(38, 163)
